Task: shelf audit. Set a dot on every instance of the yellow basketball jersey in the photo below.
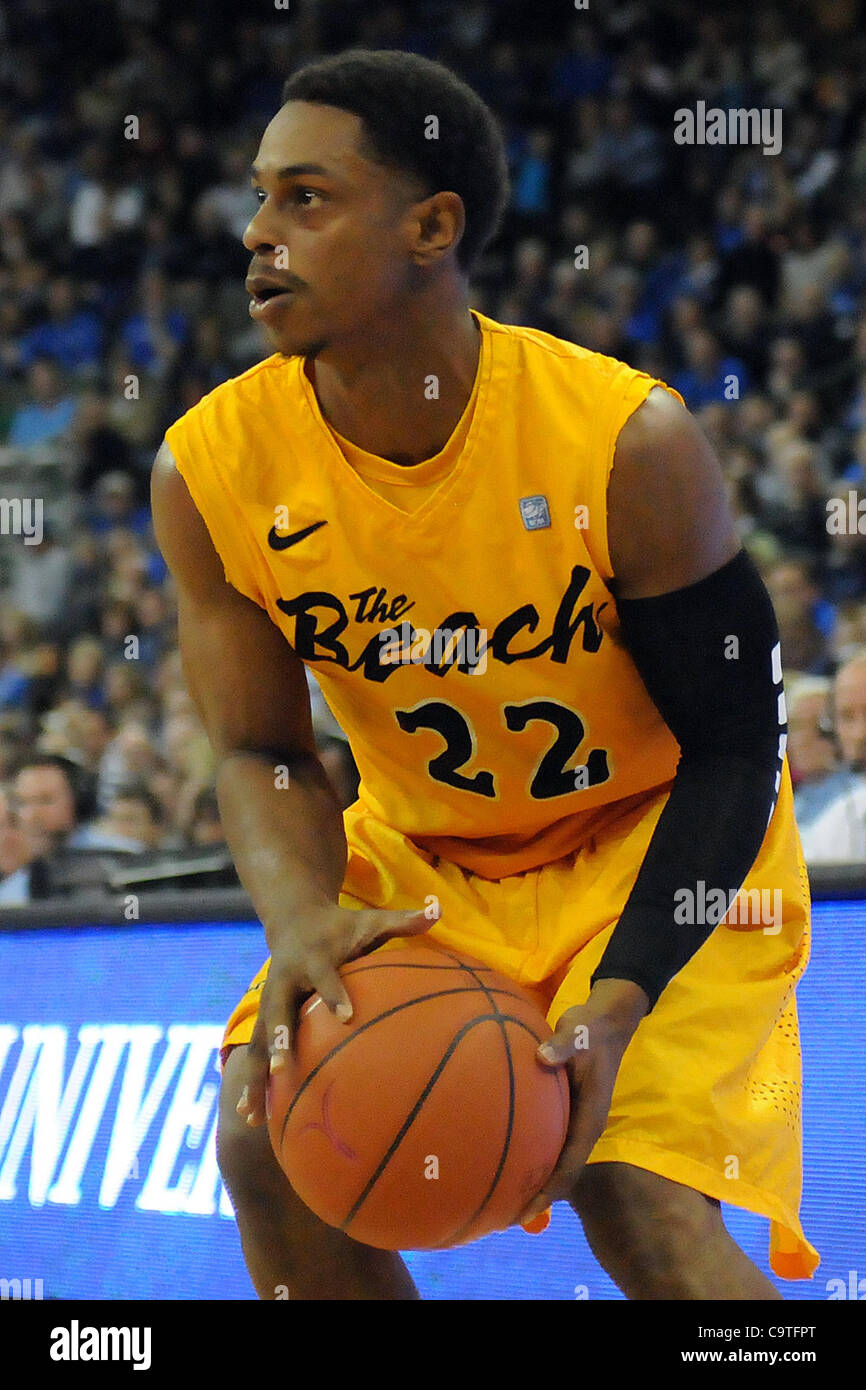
(469, 646)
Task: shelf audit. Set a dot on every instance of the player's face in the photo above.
(332, 228)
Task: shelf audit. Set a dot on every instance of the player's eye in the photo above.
(298, 194)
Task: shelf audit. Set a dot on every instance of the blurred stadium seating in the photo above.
(739, 277)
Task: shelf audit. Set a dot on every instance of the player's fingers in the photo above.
(252, 1102)
(572, 1036)
(589, 1109)
(277, 1013)
(588, 1122)
(380, 926)
(325, 978)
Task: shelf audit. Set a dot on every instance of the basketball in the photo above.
(427, 1121)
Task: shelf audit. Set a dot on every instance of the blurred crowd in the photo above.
(126, 133)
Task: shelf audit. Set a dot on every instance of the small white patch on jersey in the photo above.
(535, 512)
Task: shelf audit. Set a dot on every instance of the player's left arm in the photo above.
(698, 623)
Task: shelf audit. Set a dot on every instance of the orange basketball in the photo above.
(427, 1121)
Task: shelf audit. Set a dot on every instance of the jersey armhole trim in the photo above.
(626, 401)
(250, 591)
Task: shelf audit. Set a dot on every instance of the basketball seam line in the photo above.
(413, 1115)
(455, 1235)
(407, 1004)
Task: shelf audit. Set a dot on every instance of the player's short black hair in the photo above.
(395, 94)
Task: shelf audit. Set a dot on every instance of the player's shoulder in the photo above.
(244, 395)
(534, 347)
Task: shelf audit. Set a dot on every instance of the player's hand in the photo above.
(590, 1041)
(305, 962)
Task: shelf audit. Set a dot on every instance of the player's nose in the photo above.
(261, 234)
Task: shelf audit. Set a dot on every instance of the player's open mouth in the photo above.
(268, 301)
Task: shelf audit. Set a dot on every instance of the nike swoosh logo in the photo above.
(277, 542)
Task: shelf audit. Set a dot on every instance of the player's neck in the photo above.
(402, 396)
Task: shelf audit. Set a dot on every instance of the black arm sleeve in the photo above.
(709, 657)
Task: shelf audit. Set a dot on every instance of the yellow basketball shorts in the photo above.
(708, 1091)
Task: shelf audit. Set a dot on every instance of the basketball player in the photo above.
(511, 566)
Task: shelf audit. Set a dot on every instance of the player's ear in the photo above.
(439, 224)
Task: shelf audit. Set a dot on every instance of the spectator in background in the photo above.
(712, 68)
(153, 336)
(14, 854)
(531, 177)
(209, 359)
(210, 248)
(838, 833)
(708, 375)
(86, 596)
(816, 773)
(115, 505)
(805, 648)
(84, 672)
(849, 633)
(102, 448)
(16, 737)
(700, 273)
(19, 636)
(855, 415)
(11, 332)
(48, 416)
(584, 68)
(88, 735)
(631, 157)
(41, 576)
(529, 279)
(189, 757)
(230, 200)
(127, 565)
(849, 712)
(806, 417)
(155, 627)
(778, 60)
(807, 266)
(793, 500)
(134, 815)
(787, 369)
(105, 209)
(117, 622)
(206, 830)
(126, 691)
(56, 801)
(754, 259)
(70, 335)
(845, 567)
(743, 329)
(130, 756)
(133, 402)
(815, 327)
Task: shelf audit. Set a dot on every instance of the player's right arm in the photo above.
(285, 832)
